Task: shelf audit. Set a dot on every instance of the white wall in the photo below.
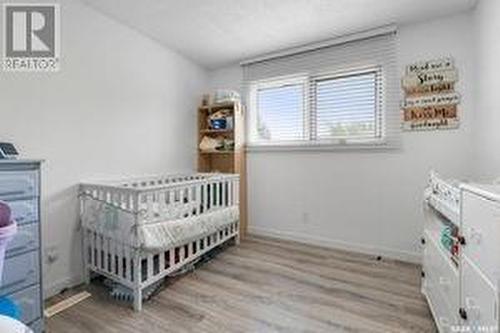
(487, 123)
(366, 201)
(121, 105)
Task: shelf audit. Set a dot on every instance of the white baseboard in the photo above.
(56, 287)
(412, 257)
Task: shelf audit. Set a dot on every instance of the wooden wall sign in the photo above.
(430, 98)
(425, 79)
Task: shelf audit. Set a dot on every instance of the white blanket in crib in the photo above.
(163, 235)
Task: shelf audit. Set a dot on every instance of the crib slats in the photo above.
(161, 261)
(190, 199)
(112, 255)
(105, 251)
(171, 200)
(172, 257)
(120, 253)
(162, 197)
(92, 249)
(134, 203)
(98, 251)
(205, 197)
(215, 191)
(150, 207)
(149, 266)
(223, 194)
(181, 255)
(127, 269)
(198, 200)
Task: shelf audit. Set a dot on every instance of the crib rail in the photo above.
(157, 181)
(154, 199)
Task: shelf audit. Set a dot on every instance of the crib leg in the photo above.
(85, 257)
(138, 300)
(86, 276)
(237, 239)
(137, 281)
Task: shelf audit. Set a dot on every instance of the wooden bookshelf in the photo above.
(226, 161)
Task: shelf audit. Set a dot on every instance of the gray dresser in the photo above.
(22, 273)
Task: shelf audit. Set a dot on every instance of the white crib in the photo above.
(116, 216)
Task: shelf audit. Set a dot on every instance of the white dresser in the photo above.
(461, 258)
(22, 273)
(480, 271)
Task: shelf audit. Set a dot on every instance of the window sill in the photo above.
(323, 147)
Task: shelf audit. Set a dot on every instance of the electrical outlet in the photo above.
(51, 254)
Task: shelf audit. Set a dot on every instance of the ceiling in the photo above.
(215, 33)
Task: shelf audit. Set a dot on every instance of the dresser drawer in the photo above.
(20, 272)
(479, 299)
(26, 239)
(441, 285)
(28, 301)
(445, 276)
(481, 230)
(24, 211)
(445, 317)
(36, 326)
(16, 184)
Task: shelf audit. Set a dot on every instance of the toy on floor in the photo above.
(125, 294)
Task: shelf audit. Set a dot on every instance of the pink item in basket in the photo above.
(8, 229)
(5, 214)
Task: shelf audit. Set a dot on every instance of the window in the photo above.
(317, 110)
(347, 107)
(281, 111)
(339, 93)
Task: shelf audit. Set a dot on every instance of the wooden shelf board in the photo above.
(217, 152)
(217, 131)
(218, 106)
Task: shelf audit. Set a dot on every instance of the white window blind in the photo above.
(347, 107)
(339, 95)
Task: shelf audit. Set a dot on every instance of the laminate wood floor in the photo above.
(265, 285)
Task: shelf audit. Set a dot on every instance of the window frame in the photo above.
(255, 114)
(310, 141)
